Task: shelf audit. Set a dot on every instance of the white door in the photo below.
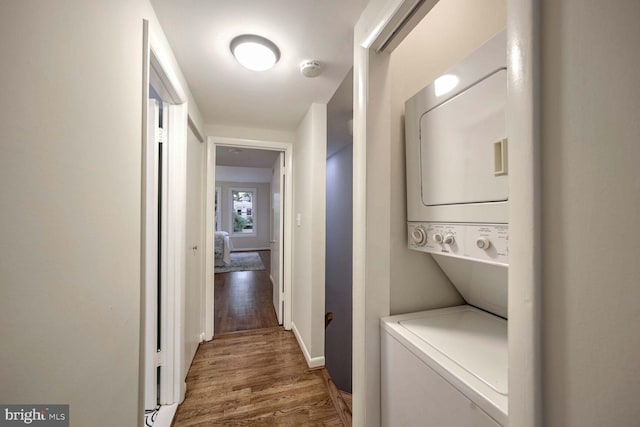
(155, 164)
(277, 234)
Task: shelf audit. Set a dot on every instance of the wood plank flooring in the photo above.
(347, 398)
(243, 300)
(341, 399)
(255, 378)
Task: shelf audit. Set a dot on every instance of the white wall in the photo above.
(250, 133)
(309, 236)
(243, 174)
(193, 325)
(262, 215)
(590, 213)
(70, 164)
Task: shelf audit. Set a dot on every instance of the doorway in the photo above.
(156, 245)
(381, 27)
(164, 158)
(248, 239)
(248, 212)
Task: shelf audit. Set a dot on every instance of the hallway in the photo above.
(255, 377)
(243, 299)
(253, 371)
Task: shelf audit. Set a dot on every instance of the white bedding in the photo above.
(223, 248)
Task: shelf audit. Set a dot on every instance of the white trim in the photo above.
(312, 362)
(143, 389)
(209, 244)
(251, 249)
(525, 228)
(162, 73)
(360, 74)
(165, 415)
(202, 251)
(157, 67)
(287, 148)
(177, 242)
(195, 130)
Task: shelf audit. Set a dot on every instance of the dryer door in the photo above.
(462, 146)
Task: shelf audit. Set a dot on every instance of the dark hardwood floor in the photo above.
(253, 372)
(255, 378)
(243, 300)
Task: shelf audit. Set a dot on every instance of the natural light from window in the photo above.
(243, 211)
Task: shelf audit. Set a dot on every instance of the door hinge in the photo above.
(161, 135)
(160, 359)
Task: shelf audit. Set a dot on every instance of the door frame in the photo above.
(158, 71)
(210, 174)
(282, 176)
(381, 27)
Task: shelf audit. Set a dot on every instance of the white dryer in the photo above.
(449, 367)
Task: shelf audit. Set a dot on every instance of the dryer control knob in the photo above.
(483, 243)
(449, 239)
(419, 236)
(437, 238)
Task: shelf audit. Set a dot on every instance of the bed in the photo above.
(223, 248)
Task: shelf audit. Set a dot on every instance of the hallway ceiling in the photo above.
(199, 32)
(245, 157)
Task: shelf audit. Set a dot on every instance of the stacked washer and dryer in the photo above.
(449, 367)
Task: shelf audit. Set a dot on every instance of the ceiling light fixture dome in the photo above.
(254, 52)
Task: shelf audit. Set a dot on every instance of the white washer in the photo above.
(445, 367)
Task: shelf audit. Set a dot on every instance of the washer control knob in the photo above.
(419, 236)
(437, 238)
(483, 243)
(449, 239)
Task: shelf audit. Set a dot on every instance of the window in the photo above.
(243, 207)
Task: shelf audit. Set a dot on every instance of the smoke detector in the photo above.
(310, 68)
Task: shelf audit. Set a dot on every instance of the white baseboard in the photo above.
(203, 337)
(165, 415)
(183, 389)
(313, 362)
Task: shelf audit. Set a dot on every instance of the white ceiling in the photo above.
(199, 32)
(245, 157)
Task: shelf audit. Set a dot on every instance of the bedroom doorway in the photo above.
(250, 199)
(245, 206)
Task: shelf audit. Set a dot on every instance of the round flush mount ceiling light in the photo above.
(254, 52)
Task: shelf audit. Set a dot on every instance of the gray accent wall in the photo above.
(338, 288)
